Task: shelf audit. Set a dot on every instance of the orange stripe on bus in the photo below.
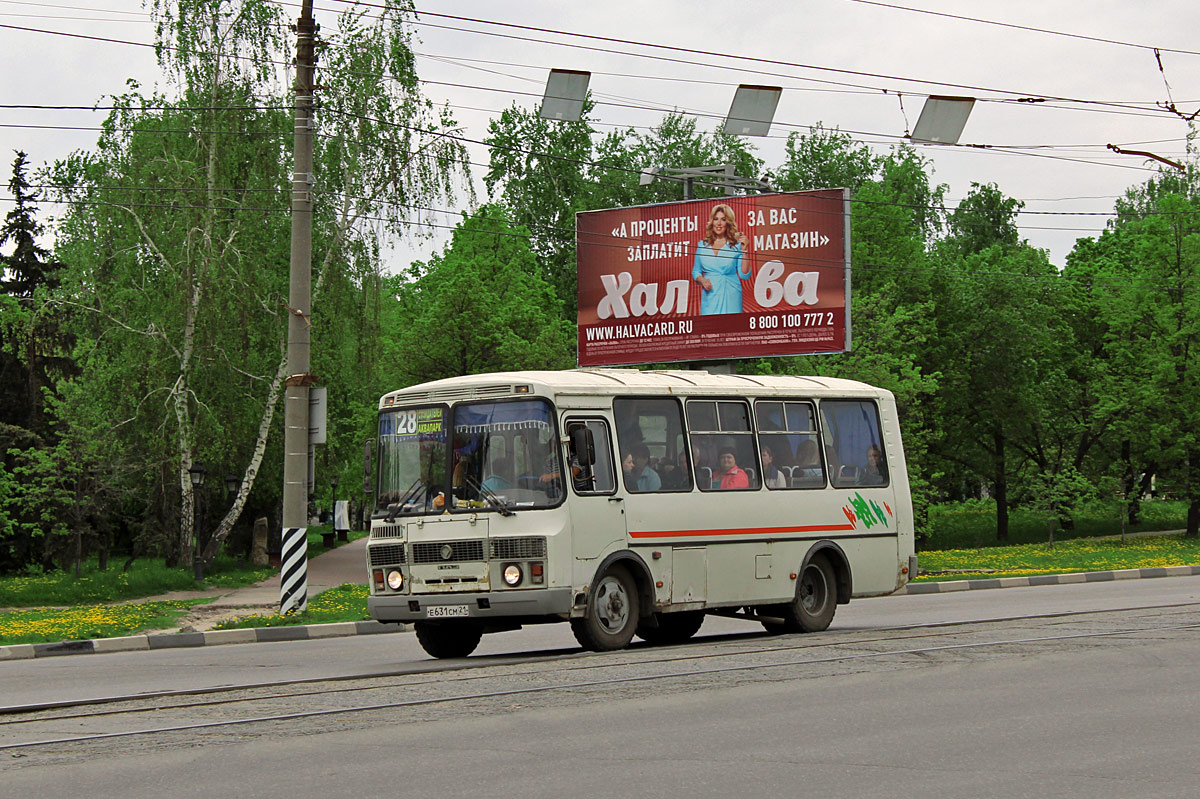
(815, 528)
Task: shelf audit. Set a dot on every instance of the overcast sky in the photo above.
(886, 47)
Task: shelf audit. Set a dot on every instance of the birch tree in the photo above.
(180, 228)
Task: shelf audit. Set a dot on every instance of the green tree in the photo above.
(194, 278)
(1150, 302)
(34, 347)
(480, 306)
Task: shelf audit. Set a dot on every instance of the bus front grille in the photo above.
(387, 555)
(525, 548)
(388, 531)
(448, 551)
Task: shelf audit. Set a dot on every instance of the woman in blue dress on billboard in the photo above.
(719, 269)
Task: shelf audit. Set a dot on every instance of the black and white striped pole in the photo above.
(293, 573)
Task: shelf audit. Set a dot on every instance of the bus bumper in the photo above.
(491, 605)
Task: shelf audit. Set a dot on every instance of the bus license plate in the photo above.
(444, 611)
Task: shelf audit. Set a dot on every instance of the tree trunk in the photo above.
(1001, 480)
(1133, 498)
(260, 446)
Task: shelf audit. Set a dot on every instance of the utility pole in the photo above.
(294, 567)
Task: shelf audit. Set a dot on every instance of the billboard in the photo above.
(728, 277)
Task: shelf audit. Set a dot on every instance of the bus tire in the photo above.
(673, 628)
(448, 639)
(612, 613)
(816, 598)
(811, 611)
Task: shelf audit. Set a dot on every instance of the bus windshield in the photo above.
(505, 454)
(412, 458)
(492, 455)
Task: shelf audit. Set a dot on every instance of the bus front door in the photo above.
(597, 511)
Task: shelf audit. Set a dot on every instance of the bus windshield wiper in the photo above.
(493, 500)
(408, 495)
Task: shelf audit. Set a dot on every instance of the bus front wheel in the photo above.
(448, 639)
(612, 613)
(812, 609)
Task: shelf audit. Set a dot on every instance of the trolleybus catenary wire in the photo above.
(860, 266)
(757, 667)
(521, 659)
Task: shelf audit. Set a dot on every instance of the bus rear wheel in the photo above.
(812, 609)
(448, 639)
(612, 613)
(673, 628)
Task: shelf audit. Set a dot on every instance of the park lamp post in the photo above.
(328, 537)
(197, 473)
(233, 484)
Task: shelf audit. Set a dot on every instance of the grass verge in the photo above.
(48, 625)
(346, 602)
(144, 578)
(1066, 557)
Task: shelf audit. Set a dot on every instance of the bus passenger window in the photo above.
(852, 431)
(723, 445)
(597, 478)
(650, 442)
(787, 436)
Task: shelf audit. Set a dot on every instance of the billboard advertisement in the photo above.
(727, 277)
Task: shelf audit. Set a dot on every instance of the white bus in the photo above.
(629, 502)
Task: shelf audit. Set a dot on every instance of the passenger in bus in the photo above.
(675, 477)
(808, 466)
(496, 479)
(772, 477)
(875, 472)
(640, 477)
(730, 475)
(719, 268)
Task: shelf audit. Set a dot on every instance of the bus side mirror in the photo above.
(368, 454)
(583, 444)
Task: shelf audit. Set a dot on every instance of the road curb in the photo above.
(949, 586)
(313, 632)
(253, 635)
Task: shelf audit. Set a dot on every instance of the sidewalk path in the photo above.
(326, 569)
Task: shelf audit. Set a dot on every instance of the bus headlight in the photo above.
(395, 579)
(512, 574)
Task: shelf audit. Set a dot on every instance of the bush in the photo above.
(971, 524)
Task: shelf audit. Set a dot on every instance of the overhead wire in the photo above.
(859, 265)
(995, 148)
(1099, 39)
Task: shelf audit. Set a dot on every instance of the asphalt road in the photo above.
(1098, 705)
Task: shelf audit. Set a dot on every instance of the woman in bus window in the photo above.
(730, 476)
(875, 473)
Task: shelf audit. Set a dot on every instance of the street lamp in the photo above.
(566, 93)
(752, 110)
(197, 473)
(942, 119)
(232, 484)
